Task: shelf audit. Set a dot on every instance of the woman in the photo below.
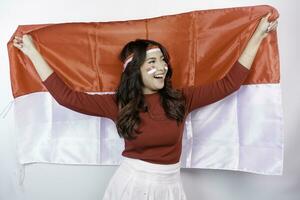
(147, 111)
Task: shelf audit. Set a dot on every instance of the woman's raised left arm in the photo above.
(198, 96)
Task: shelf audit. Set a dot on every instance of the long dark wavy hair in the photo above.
(129, 94)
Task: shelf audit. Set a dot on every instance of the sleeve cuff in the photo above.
(242, 66)
(49, 78)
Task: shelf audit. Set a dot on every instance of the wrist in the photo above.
(33, 53)
(258, 36)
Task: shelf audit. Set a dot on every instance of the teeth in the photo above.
(159, 76)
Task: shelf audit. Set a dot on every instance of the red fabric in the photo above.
(203, 45)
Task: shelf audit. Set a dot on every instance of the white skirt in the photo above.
(136, 179)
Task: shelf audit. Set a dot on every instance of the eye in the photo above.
(151, 62)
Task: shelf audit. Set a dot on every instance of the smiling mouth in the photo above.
(160, 76)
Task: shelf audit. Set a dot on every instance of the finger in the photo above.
(271, 28)
(17, 41)
(18, 37)
(19, 46)
(268, 15)
(274, 22)
(273, 25)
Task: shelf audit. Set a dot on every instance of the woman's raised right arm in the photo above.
(26, 45)
(91, 104)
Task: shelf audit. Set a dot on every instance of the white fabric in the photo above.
(139, 180)
(243, 132)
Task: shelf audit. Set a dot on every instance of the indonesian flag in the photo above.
(243, 131)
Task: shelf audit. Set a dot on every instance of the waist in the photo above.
(145, 171)
(141, 165)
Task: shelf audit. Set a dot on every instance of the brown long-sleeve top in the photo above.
(161, 140)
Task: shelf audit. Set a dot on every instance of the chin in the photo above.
(160, 88)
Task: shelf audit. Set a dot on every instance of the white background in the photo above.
(64, 182)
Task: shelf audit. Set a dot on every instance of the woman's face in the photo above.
(154, 71)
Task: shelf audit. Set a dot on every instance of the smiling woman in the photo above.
(148, 72)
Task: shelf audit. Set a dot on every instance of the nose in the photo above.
(161, 66)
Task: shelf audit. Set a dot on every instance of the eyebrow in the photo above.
(154, 57)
